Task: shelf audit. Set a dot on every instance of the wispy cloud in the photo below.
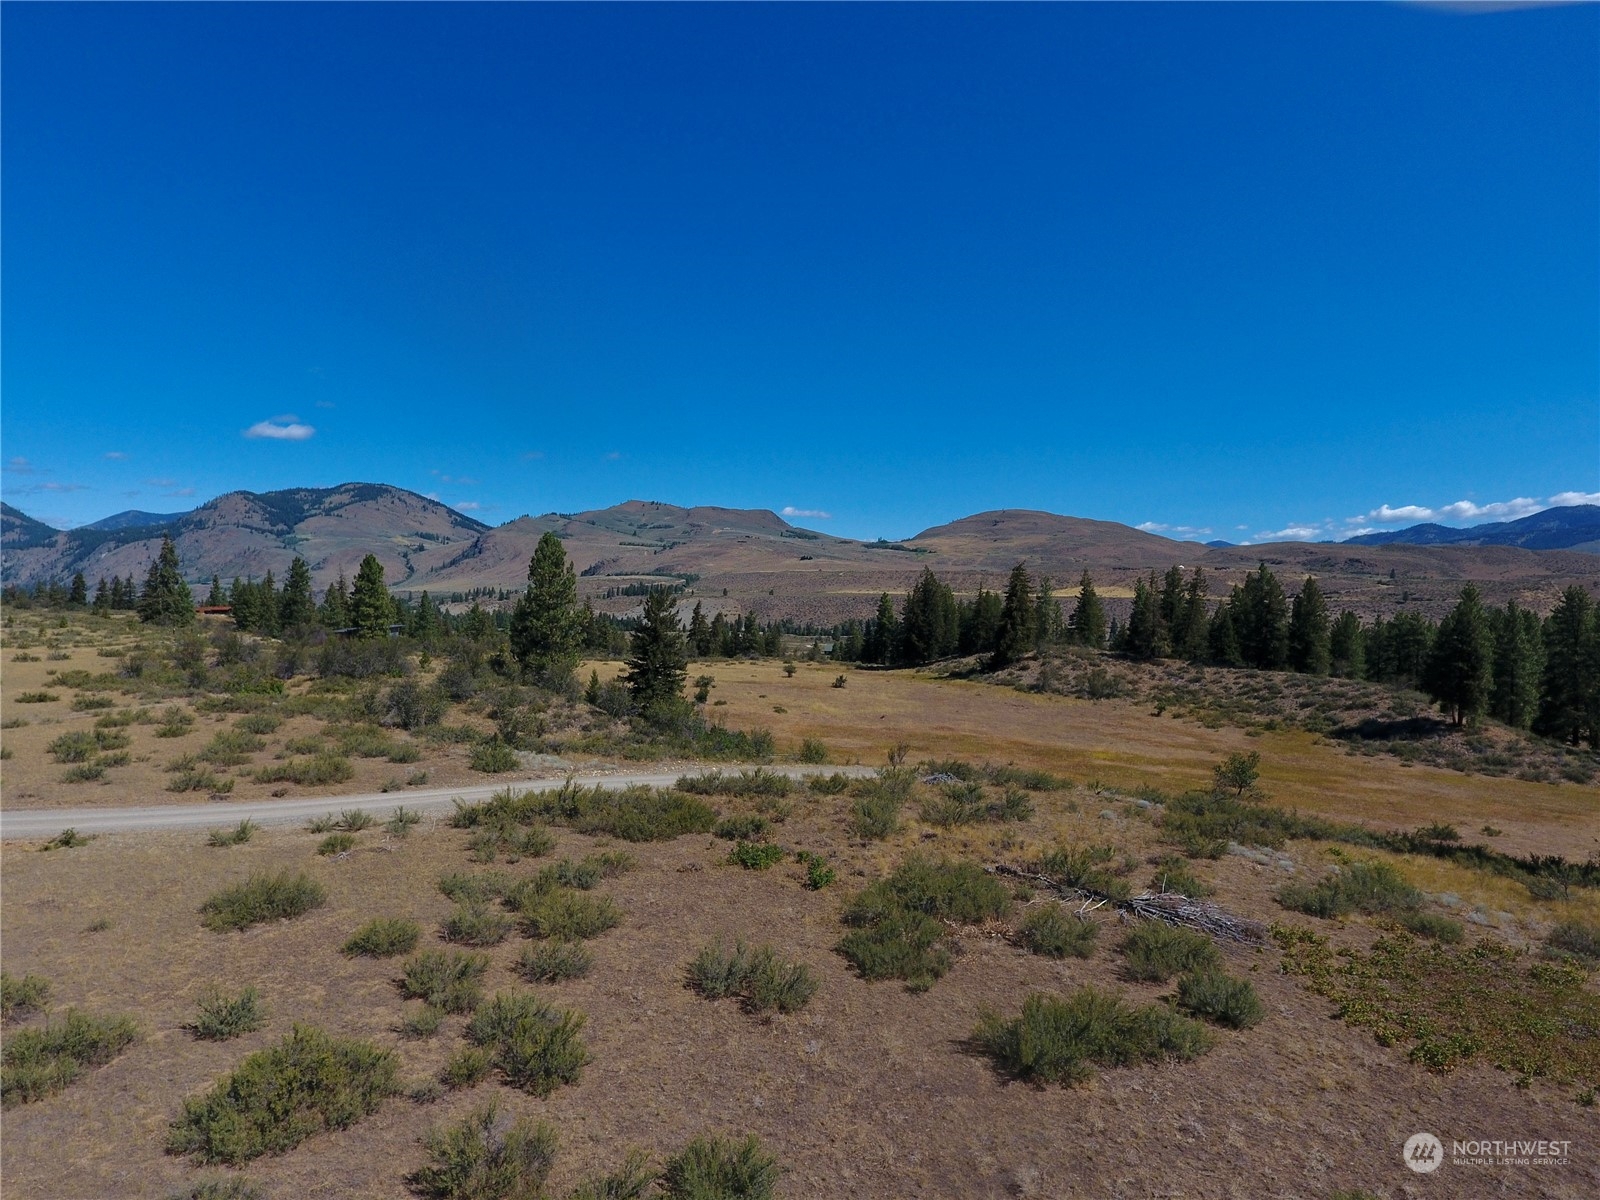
(466, 506)
(613, 456)
(17, 465)
(33, 489)
(326, 404)
(816, 514)
(533, 456)
(162, 483)
(1182, 531)
(1568, 499)
(284, 429)
(1389, 516)
(1461, 510)
(115, 456)
(1292, 533)
(463, 480)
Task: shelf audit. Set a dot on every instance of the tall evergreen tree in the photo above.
(426, 622)
(1518, 665)
(1261, 620)
(699, 632)
(296, 608)
(1047, 614)
(78, 593)
(1310, 650)
(1459, 675)
(929, 626)
(545, 631)
(476, 625)
(978, 623)
(1191, 630)
(1347, 647)
(1088, 621)
(1018, 618)
(216, 597)
(1569, 693)
(335, 610)
(1143, 636)
(1222, 637)
(1173, 595)
(166, 599)
(102, 598)
(658, 658)
(370, 610)
(882, 633)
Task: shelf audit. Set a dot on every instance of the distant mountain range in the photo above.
(753, 560)
(1576, 527)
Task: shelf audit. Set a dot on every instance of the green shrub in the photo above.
(875, 814)
(955, 804)
(175, 722)
(22, 997)
(644, 814)
(199, 779)
(354, 820)
(630, 1181)
(755, 856)
(1155, 952)
(326, 823)
(474, 924)
(818, 873)
(829, 785)
(761, 980)
(383, 937)
(1579, 939)
(220, 1189)
(553, 961)
(466, 887)
(450, 982)
(401, 822)
(1173, 874)
(324, 767)
(336, 843)
(1372, 888)
(944, 888)
(258, 723)
(92, 703)
(744, 827)
(1219, 997)
(39, 1062)
(1060, 1039)
(422, 1022)
(567, 915)
(759, 782)
(493, 757)
(37, 697)
(277, 1098)
(812, 751)
(538, 1048)
(237, 836)
(74, 747)
(86, 772)
(713, 1168)
(230, 748)
(1085, 867)
(900, 945)
(67, 839)
(262, 898)
(1432, 925)
(480, 1157)
(1050, 930)
(467, 1067)
(223, 1017)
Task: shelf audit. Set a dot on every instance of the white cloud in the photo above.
(20, 466)
(467, 506)
(1291, 533)
(1183, 531)
(463, 480)
(789, 510)
(1567, 499)
(284, 429)
(162, 483)
(1468, 511)
(614, 456)
(182, 493)
(116, 456)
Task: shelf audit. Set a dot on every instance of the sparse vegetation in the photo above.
(475, 924)
(482, 1157)
(67, 839)
(262, 898)
(383, 937)
(22, 997)
(715, 1167)
(538, 1048)
(41, 1061)
(761, 980)
(277, 1098)
(237, 836)
(222, 1017)
(1155, 952)
(1061, 1039)
(451, 982)
(1219, 997)
(1050, 930)
(555, 960)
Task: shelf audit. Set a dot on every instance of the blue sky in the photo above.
(1233, 271)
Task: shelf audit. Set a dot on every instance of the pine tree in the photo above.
(1261, 621)
(296, 608)
(929, 624)
(425, 620)
(1088, 621)
(78, 594)
(166, 599)
(1569, 692)
(102, 598)
(1310, 651)
(476, 626)
(1222, 638)
(1047, 614)
(1018, 616)
(658, 659)
(720, 638)
(216, 597)
(699, 632)
(1173, 594)
(370, 610)
(978, 623)
(1142, 638)
(1518, 665)
(1347, 647)
(545, 626)
(1191, 632)
(335, 611)
(1459, 675)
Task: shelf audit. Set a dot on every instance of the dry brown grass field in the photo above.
(870, 1090)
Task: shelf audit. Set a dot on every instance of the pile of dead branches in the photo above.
(1171, 907)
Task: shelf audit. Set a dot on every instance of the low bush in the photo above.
(630, 1181)
(74, 747)
(759, 782)
(818, 873)
(199, 779)
(383, 937)
(452, 982)
(711, 1168)
(262, 898)
(354, 820)
(755, 856)
(493, 757)
(1373, 888)
(336, 843)
(1061, 1039)
(1173, 874)
(237, 836)
(943, 888)
(567, 915)
(1086, 868)
(37, 697)
(644, 814)
(812, 751)
(536, 1047)
(230, 748)
(223, 1017)
(467, 887)
(220, 1189)
(92, 703)
(1433, 925)
(401, 822)
(324, 767)
(829, 785)
(22, 997)
(1219, 997)
(761, 980)
(474, 924)
(1050, 930)
(277, 1098)
(743, 827)
(482, 1157)
(553, 961)
(1155, 952)
(422, 1022)
(875, 814)
(467, 1067)
(902, 945)
(260, 724)
(67, 839)
(39, 1062)
(1577, 939)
